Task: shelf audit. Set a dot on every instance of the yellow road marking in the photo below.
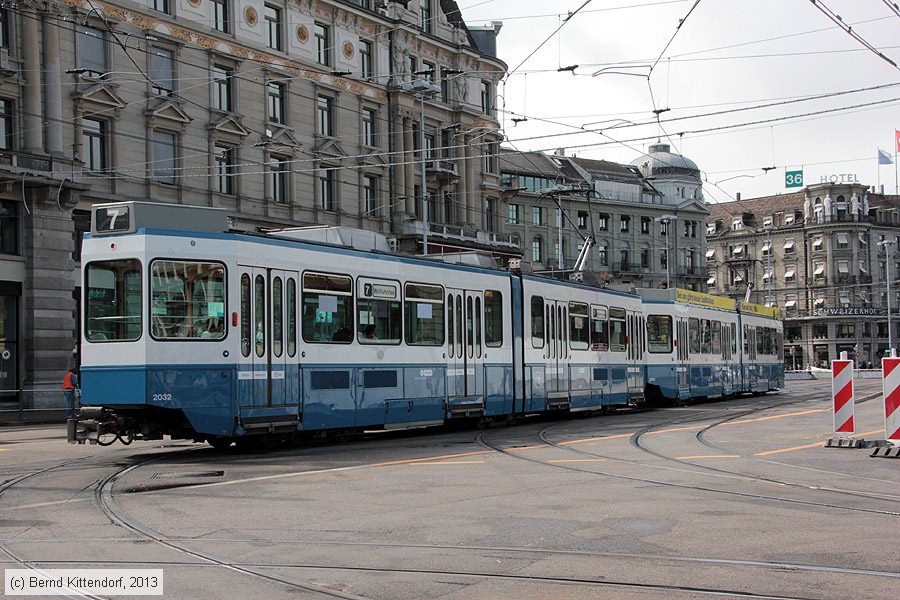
(710, 456)
(595, 439)
(449, 462)
(427, 458)
(817, 444)
(577, 460)
(781, 416)
(4, 449)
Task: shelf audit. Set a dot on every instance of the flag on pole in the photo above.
(884, 158)
(897, 137)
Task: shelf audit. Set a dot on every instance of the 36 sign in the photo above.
(793, 179)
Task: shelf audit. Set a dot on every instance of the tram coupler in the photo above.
(90, 424)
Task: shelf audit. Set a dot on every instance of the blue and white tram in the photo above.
(704, 346)
(206, 335)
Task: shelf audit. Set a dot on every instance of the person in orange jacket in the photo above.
(70, 384)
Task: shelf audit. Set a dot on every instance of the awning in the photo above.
(819, 301)
(788, 219)
(843, 238)
(711, 253)
(790, 304)
(766, 246)
(817, 243)
(738, 278)
(767, 275)
(863, 239)
(862, 267)
(711, 280)
(770, 304)
(737, 250)
(843, 266)
(788, 244)
(819, 270)
(790, 273)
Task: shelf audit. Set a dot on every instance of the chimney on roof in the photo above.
(737, 196)
(560, 152)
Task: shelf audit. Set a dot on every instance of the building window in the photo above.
(664, 258)
(664, 227)
(93, 143)
(371, 184)
(603, 254)
(366, 67)
(219, 15)
(276, 96)
(224, 175)
(159, 5)
(625, 257)
(489, 160)
(490, 216)
(4, 28)
(537, 250)
(6, 124)
(425, 15)
(645, 225)
(368, 127)
(279, 171)
(323, 116)
(221, 88)
(625, 224)
(323, 44)
(92, 51)
(582, 219)
(487, 106)
(603, 222)
(538, 215)
(645, 258)
(164, 156)
(326, 190)
(273, 27)
(515, 214)
(162, 71)
(445, 85)
(9, 238)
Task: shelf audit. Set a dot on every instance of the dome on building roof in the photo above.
(660, 162)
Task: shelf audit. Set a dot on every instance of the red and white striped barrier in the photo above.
(891, 369)
(843, 396)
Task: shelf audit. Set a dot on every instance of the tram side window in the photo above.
(424, 315)
(379, 314)
(579, 326)
(537, 322)
(617, 335)
(187, 300)
(493, 318)
(113, 300)
(277, 317)
(716, 337)
(327, 308)
(746, 340)
(659, 334)
(734, 343)
(704, 336)
(760, 341)
(599, 329)
(694, 335)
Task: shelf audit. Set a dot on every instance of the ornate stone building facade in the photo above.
(820, 255)
(646, 218)
(283, 113)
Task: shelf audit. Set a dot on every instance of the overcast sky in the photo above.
(728, 54)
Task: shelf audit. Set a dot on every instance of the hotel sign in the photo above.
(850, 312)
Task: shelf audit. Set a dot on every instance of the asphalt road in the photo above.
(731, 499)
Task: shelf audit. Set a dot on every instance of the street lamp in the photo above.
(886, 244)
(422, 87)
(668, 219)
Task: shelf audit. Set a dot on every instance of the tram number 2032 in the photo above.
(162, 397)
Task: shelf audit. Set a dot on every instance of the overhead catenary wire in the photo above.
(837, 20)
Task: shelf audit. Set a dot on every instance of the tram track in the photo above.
(542, 435)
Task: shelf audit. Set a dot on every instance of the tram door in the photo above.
(465, 343)
(556, 350)
(268, 305)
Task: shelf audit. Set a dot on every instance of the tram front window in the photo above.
(187, 300)
(113, 300)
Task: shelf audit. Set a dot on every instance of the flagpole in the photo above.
(878, 176)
